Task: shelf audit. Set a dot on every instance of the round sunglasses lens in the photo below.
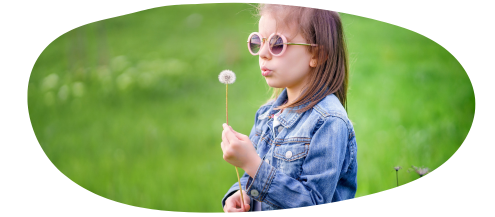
(276, 44)
(255, 43)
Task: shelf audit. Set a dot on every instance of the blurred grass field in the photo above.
(131, 108)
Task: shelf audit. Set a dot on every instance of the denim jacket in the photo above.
(308, 159)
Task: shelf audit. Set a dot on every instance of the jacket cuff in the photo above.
(258, 186)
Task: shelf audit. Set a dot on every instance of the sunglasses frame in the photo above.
(284, 39)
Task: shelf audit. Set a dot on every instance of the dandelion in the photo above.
(397, 168)
(421, 171)
(228, 77)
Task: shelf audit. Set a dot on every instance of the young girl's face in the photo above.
(291, 69)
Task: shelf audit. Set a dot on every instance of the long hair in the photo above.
(322, 27)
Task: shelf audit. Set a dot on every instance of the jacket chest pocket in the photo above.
(290, 158)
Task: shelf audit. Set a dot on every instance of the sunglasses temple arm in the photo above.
(313, 45)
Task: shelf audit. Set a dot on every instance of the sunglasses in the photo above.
(277, 43)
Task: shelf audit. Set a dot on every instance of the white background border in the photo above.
(31, 185)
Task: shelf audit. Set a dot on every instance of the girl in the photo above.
(302, 149)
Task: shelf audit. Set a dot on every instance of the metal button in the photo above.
(288, 154)
(254, 193)
(267, 161)
(280, 128)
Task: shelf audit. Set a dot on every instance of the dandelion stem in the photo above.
(397, 175)
(227, 117)
(240, 188)
(227, 102)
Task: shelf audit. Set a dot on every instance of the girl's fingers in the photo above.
(246, 203)
(229, 209)
(224, 138)
(233, 203)
(239, 208)
(229, 204)
(246, 207)
(239, 136)
(235, 132)
(232, 207)
(246, 198)
(229, 133)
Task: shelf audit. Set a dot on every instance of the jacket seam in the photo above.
(265, 186)
(254, 179)
(292, 140)
(271, 204)
(336, 115)
(267, 139)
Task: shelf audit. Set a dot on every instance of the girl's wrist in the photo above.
(252, 166)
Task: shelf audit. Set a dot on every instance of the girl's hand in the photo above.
(239, 151)
(233, 203)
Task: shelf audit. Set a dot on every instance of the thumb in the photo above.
(246, 207)
(239, 135)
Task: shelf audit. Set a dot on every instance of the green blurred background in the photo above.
(131, 108)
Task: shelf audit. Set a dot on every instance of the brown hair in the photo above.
(324, 28)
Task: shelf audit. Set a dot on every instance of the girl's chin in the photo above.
(272, 83)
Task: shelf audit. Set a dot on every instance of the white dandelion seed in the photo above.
(227, 77)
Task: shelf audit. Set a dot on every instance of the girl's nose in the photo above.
(264, 52)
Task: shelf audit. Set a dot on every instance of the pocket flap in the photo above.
(291, 152)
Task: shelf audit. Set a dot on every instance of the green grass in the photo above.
(131, 109)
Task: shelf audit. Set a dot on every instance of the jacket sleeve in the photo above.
(320, 171)
(254, 139)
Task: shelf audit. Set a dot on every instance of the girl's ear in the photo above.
(313, 62)
(314, 58)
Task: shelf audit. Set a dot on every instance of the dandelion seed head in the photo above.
(397, 168)
(227, 77)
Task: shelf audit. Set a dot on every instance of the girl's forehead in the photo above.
(268, 25)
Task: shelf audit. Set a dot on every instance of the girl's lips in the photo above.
(266, 72)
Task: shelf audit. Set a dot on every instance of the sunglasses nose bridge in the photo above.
(263, 43)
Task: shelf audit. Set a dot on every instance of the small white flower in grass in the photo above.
(227, 77)
(421, 171)
(397, 168)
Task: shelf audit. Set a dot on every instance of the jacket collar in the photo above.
(289, 116)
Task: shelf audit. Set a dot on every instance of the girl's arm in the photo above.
(254, 139)
(321, 171)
